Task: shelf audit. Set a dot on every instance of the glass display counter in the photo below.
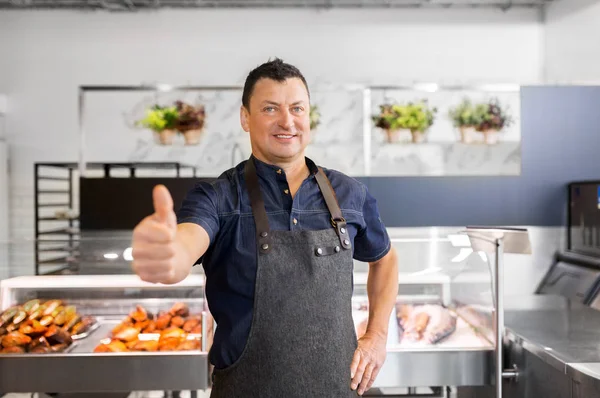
(137, 336)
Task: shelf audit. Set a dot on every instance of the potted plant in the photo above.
(490, 119)
(414, 117)
(388, 120)
(418, 118)
(315, 117)
(463, 118)
(190, 121)
(161, 120)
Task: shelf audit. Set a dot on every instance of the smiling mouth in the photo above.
(285, 136)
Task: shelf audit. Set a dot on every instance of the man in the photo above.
(276, 236)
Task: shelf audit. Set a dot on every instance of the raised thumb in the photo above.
(163, 205)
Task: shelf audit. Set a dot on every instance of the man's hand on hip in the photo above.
(368, 360)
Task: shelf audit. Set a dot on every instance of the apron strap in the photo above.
(263, 232)
(337, 219)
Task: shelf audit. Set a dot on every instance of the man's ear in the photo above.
(244, 118)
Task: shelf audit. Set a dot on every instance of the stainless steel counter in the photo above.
(557, 331)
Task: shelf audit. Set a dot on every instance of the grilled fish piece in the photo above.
(139, 315)
(188, 345)
(13, 350)
(147, 345)
(163, 320)
(14, 339)
(151, 327)
(172, 332)
(179, 309)
(113, 346)
(190, 324)
(177, 321)
(197, 329)
(56, 335)
(129, 333)
(169, 343)
(41, 349)
(32, 328)
(83, 325)
(40, 341)
(142, 325)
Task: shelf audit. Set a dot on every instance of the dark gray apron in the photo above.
(302, 337)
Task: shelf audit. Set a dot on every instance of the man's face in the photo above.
(278, 120)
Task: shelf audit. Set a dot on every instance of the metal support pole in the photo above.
(499, 275)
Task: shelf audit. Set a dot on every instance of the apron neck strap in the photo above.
(263, 232)
(337, 219)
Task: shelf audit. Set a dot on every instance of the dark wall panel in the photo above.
(121, 203)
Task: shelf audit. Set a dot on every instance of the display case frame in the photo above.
(80, 370)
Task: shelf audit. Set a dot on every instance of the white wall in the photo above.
(4, 224)
(572, 37)
(46, 55)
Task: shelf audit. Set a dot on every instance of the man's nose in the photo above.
(286, 120)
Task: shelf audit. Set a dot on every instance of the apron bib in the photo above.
(302, 338)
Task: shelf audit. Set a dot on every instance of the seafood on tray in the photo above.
(172, 330)
(426, 323)
(41, 327)
(417, 323)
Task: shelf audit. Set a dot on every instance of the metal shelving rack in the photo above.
(56, 248)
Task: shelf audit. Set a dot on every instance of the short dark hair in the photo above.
(276, 70)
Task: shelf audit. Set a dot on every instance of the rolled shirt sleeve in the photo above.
(372, 241)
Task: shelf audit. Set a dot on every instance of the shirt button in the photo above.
(286, 191)
(295, 221)
(279, 171)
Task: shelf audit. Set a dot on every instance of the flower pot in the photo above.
(490, 137)
(192, 137)
(417, 136)
(466, 134)
(164, 137)
(392, 135)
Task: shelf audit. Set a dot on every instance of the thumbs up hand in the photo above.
(154, 247)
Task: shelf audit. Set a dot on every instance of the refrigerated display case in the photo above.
(442, 330)
(101, 333)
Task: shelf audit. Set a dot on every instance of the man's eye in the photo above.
(269, 109)
(298, 109)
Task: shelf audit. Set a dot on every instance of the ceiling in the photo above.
(133, 5)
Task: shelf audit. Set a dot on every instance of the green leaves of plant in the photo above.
(413, 116)
(159, 118)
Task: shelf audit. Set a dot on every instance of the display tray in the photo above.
(83, 367)
(455, 355)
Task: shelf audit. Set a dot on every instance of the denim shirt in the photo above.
(223, 209)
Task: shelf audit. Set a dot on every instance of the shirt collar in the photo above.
(263, 168)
